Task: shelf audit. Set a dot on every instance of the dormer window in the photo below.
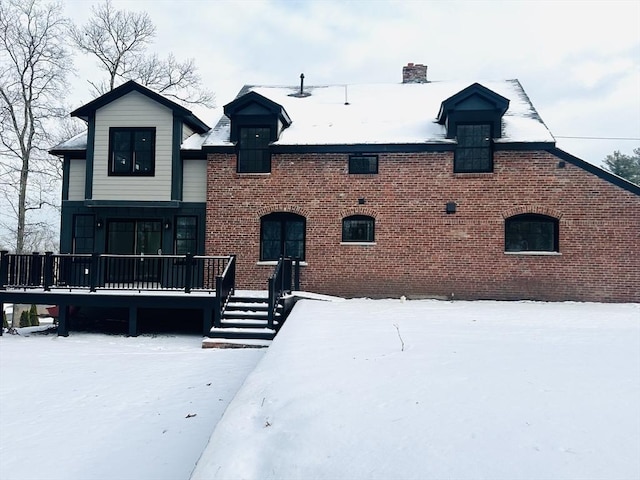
(473, 117)
(256, 121)
(473, 153)
(132, 151)
(253, 150)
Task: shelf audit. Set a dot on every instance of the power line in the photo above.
(600, 138)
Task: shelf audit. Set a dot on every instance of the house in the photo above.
(127, 189)
(422, 188)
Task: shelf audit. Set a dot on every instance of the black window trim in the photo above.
(283, 217)
(490, 168)
(193, 239)
(132, 173)
(266, 149)
(541, 218)
(352, 170)
(359, 217)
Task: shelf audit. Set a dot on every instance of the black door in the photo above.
(134, 237)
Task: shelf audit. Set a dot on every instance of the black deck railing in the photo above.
(284, 278)
(113, 272)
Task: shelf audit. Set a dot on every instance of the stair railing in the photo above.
(225, 287)
(279, 284)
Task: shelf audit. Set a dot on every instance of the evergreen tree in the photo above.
(5, 324)
(25, 321)
(34, 320)
(625, 166)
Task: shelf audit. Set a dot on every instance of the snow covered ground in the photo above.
(355, 389)
(105, 407)
(384, 389)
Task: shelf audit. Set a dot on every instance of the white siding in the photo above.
(77, 171)
(133, 110)
(194, 181)
(186, 132)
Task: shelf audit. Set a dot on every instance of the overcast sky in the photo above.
(579, 61)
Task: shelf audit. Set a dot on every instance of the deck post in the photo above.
(63, 324)
(4, 269)
(217, 304)
(1, 319)
(95, 263)
(206, 321)
(48, 271)
(188, 280)
(272, 302)
(296, 276)
(133, 321)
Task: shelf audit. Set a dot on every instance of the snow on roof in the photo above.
(78, 142)
(380, 114)
(370, 114)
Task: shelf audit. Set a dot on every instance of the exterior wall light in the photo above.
(451, 207)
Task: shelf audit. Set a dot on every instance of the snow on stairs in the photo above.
(244, 324)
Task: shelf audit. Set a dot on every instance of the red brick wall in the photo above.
(420, 251)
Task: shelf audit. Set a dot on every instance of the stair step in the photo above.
(246, 323)
(253, 307)
(243, 314)
(235, 343)
(242, 333)
(250, 300)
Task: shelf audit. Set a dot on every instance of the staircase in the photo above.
(246, 318)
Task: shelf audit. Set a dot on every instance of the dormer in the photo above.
(474, 104)
(256, 121)
(473, 117)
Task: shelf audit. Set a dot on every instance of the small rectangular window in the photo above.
(132, 151)
(473, 153)
(363, 164)
(253, 150)
(358, 228)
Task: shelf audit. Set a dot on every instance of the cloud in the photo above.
(579, 61)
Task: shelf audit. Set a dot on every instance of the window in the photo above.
(132, 151)
(186, 231)
(531, 233)
(473, 153)
(83, 233)
(282, 234)
(253, 150)
(358, 228)
(363, 164)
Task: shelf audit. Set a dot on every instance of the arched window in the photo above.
(531, 233)
(358, 228)
(282, 234)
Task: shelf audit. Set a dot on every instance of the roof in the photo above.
(77, 143)
(380, 114)
(187, 115)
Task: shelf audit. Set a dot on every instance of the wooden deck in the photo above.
(205, 284)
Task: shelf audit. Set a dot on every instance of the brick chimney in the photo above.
(414, 73)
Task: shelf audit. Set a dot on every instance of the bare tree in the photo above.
(119, 39)
(34, 61)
